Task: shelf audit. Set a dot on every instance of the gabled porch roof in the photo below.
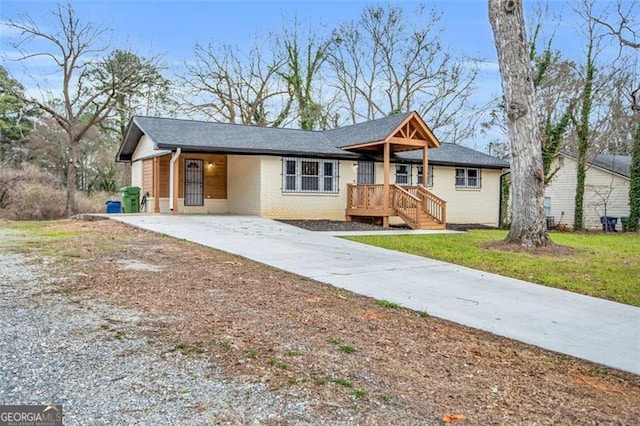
(407, 133)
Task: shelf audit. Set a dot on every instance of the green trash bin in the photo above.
(130, 199)
(625, 223)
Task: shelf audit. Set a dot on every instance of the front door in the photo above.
(193, 182)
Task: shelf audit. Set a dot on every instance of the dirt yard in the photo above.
(361, 362)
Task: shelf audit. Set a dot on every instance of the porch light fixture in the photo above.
(210, 164)
(355, 166)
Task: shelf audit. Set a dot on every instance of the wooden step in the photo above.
(427, 222)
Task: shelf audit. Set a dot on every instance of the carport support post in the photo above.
(385, 188)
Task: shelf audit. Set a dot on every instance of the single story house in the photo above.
(367, 170)
(606, 189)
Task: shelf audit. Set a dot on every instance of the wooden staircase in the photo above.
(419, 208)
(415, 205)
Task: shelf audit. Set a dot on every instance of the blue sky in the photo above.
(171, 27)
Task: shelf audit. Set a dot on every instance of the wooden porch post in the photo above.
(156, 184)
(385, 188)
(425, 166)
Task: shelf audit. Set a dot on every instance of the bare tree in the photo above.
(224, 85)
(583, 129)
(305, 58)
(601, 119)
(625, 29)
(384, 64)
(528, 226)
(85, 101)
(634, 183)
(555, 86)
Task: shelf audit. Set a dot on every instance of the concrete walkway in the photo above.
(585, 327)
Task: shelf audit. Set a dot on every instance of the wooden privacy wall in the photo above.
(215, 175)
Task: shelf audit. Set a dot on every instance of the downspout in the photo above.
(174, 158)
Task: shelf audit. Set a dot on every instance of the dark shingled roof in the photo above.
(449, 154)
(620, 164)
(168, 133)
(203, 136)
(369, 131)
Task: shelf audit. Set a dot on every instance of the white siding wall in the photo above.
(136, 173)
(243, 184)
(277, 204)
(600, 187)
(145, 148)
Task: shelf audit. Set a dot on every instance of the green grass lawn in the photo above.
(601, 265)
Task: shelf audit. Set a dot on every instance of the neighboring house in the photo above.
(368, 170)
(606, 189)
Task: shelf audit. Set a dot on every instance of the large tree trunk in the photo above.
(528, 225)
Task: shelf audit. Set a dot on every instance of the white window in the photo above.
(547, 206)
(403, 174)
(309, 175)
(429, 177)
(468, 178)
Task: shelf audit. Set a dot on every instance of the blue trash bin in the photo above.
(609, 223)
(113, 207)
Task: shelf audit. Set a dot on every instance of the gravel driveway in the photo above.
(94, 360)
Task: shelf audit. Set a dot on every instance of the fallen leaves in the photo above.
(453, 417)
(418, 369)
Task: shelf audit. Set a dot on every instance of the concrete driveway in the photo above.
(585, 327)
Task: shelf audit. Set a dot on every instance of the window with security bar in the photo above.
(403, 174)
(309, 175)
(429, 175)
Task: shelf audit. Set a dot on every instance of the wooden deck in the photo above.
(415, 205)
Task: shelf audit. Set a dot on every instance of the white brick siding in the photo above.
(279, 205)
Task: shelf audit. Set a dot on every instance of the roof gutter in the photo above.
(172, 163)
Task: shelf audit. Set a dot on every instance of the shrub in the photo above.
(29, 193)
(94, 203)
(37, 201)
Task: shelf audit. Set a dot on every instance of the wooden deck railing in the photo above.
(365, 196)
(435, 206)
(405, 201)
(406, 206)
